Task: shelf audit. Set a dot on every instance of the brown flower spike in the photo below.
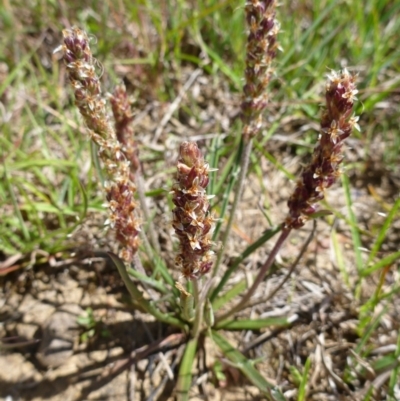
(192, 221)
(260, 51)
(337, 123)
(122, 111)
(119, 189)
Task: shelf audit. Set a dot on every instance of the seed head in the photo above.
(122, 111)
(119, 189)
(192, 220)
(337, 124)
(260, 51)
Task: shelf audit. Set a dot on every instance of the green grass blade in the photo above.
(311, 29)
(366, 330)
(220, 62)
(394, 377)
(244, 365)
(383, 231)
(388, 260)
(148, 280)
(237, 289)
(84, 198)
(370, 330)
(14, 73)
(355, 233)
(138, 296)
(273, 161)
(162, 269)
(339, 257)
(214, 158)
(304, 380)
(185, 371)
(222, 176)
(228, 190)
(17, 210)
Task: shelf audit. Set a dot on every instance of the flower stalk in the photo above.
(261, 50)
(337, 123)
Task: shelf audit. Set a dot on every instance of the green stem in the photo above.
(199, 310)
(185, 371)
(234, 170)
(238, 194)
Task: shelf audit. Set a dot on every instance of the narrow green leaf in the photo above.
(387, 261)
(226, 172)
(185, 371)
(243, 364)
(369, 394)
(369, 331)
(273, 160)
(355, 233)
(162, 269)
(339, 257)
(31, 163)
(225, 69)
(148, 280)
(17, 209)
(295, 375)
(310, 31)
(383, 231)
(394, 377)
(304, 381)
(213, 156)
(85, 200)
(385, 364)
(237, 289)
(138, 296)
(228, 189)
(17, 69)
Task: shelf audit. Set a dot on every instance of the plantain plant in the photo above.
(200, 302)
